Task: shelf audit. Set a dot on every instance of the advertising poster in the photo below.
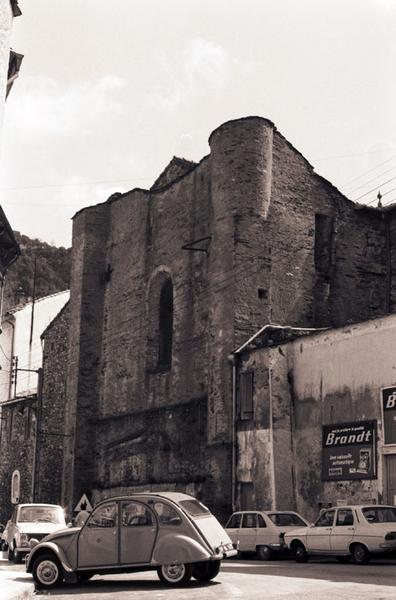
(388, 400)
(349, 451)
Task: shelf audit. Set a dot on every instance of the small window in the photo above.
(234, 521)
(194, 508)
(249, 520)
(166, 514)
(324, 243)
(326, 519)
(260, 521)
(104, 516)
(344, 517)
(135, 514)
(246, 408)
(15, 487)
(287, 520)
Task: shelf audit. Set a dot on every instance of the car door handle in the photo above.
(351, 529)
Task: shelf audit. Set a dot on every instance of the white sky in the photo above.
(110, 90)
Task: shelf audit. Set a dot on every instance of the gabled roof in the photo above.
(175, 169)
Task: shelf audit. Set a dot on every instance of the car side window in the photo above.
(344, 517)
(326, 519)
(260, 521)
(249, 520)
(234, 521)
(135, 514)
(104, 516)
(166, 514)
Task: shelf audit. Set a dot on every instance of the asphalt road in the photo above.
(247, 579)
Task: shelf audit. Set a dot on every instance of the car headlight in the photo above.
(24, 539)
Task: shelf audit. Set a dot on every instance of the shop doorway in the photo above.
(390, 478)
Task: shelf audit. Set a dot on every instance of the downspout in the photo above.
(271, 432)
(38, 426)
(232, 358)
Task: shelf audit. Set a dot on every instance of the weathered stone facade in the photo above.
(248, 236)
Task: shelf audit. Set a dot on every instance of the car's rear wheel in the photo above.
(360, 554)
(205, 571)
(175, 573)
(299, 552)
(264, 553)
(47, 571)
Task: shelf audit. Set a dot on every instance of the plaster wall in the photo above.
(329, 377)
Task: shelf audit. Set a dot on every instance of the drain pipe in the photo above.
(233, 361)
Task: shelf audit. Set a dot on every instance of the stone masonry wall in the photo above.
(51, 433)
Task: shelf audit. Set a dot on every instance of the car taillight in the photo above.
(390, 536)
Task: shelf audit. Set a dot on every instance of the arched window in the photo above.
(15, 487)
(165, 325)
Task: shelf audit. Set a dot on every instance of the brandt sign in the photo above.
(349, 451)
(388, 399)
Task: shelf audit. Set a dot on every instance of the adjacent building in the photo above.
(31, 416)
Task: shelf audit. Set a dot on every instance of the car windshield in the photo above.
(381, 514)
(194, 508)
(41, 514)
(286, 520)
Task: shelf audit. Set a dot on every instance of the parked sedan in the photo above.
(31, 521)
(168, 531)
(262, 531)
(346, 532)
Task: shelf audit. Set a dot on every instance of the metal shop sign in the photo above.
(388, 400)
(349, 451)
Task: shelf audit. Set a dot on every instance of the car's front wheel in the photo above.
(47, 571)
(175, 573)
(299, 552)
(360, 554)
(206, 570)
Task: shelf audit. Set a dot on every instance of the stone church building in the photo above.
(166, 283)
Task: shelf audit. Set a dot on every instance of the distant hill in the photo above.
(52, 271)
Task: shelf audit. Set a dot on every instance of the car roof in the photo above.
(172, 496)
(267, 512)
(39, 504)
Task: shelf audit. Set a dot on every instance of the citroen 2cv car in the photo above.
(167, 531)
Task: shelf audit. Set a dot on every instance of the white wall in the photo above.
(45, 311)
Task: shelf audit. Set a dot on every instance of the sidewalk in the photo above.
(15, 583)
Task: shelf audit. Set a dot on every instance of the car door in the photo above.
(318, 535)
(248, 532)
(98, 539)
(232, 527)
(138, 533)
(343, 530)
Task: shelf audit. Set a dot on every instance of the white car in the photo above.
(346, 532)
(262, 531)
(31, 521)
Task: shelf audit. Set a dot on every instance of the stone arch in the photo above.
(160, 321)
